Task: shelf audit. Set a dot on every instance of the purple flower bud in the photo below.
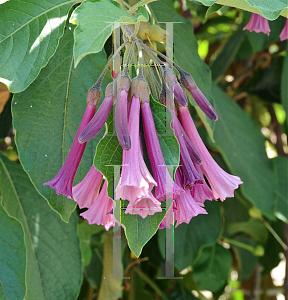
(189, 83)
(175, 86)
(100, 117)
(121, 112)
(258, 24)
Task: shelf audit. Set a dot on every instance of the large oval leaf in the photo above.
(54, 269)
(29, 36)
(12, 257)
(46, 118)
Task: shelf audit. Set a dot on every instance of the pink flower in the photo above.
(258, 24)
(136, 182)
(99, 212)
(62, 182)
(284, 32)
(165, 185)
(222, 183)
(186, 206)
(86, 192)
(100, 117)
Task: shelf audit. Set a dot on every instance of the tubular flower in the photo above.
(99, 212)
(136, 182)
(165, 188)
(258, 24)
(86, 192)
(222, 183)
(186, 206)
(63, 181)
(100, 117)
(121, 112)
(284, 32)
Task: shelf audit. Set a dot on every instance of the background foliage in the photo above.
(48, 64)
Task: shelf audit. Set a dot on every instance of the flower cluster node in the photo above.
(198, 177)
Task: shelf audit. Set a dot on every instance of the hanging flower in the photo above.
(222, 183)
(86, 192)
(100, 211)
(63, 181)
(258, 24)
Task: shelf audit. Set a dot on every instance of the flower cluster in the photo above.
(258, 24)
(198, 177)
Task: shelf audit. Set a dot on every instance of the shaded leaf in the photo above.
(284, 80)
(212, 268)
(242, 146)
(12, 257)
(54, 269)
(46, 117)
(29, 35)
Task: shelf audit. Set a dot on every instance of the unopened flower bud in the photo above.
(158, 34)
(93, 96)
(144, 30)
(175, 86)
(187, 80)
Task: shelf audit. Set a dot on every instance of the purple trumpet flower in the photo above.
(186, 206)
(99, 212)
(222, 183)
(189, 83)
(121, 112)
(165, 188)
(63, 181)
(86, 192)
(258, 24)
(136, 182)
(99, 118)
(284, 32)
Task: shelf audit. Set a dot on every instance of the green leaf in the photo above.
(46, 117)
(139, 231)
(212, 9)
(284, 80)
(212, 268)
(242, 146)
(227, 54)
(54, 268)
(12, 257)
(281, 170)
(85, 232)
(203, 230)
(29, 36)
(186, 52)
(95, 22)
(268, 9)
